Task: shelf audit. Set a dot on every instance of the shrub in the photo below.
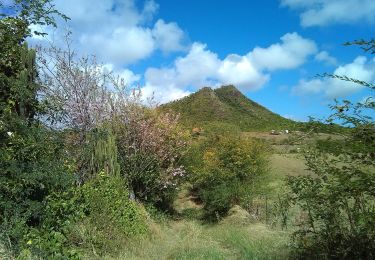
(108, 196)
(51, 239)
(338, 201)
(111, 216)
(336, 146)
(33, 169)
(229, 173)
(98, 153)
(338, 204)
(150, 147)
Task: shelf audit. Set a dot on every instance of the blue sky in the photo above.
(271, 49)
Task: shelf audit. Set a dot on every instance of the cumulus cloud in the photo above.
(325, 57)
(121, 46)
(324, 12)
(168, 36)
(163, 95)
(202, 67)
(149, 9)
(121, 33)
(290, 53)
(306, 87)
(118, 32)
(128, 76)
(360, 69)
(241, 72)
(197, 68)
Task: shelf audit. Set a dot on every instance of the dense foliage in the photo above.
(151, 146)
(77, 147)
(109, 216)
(227, 171)
(33, 168)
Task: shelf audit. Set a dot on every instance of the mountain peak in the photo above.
(225, 106)
(229, 88)
(205, 89)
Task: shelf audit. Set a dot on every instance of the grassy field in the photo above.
(287, 164)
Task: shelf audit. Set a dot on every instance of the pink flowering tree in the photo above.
(151, 146)
(83, 96)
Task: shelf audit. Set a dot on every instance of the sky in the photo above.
(272, 50)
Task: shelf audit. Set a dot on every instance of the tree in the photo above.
(31, 157)
(338, 201)
(18, 75)
(150, 147)
(86, 98)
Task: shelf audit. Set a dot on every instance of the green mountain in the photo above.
(225, 107)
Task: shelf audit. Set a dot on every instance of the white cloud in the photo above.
(118, 32)
(307, 87)
(202, 67)
(128, 76)
(325, 57)
(239, 71)
(122, 46)
(163, 95)
(291, 53)
(168, 36)
(360, 69)
(295, 118)
(323, 12)
(94, 15)
(149, 9)
(196, 69)
(121, 33)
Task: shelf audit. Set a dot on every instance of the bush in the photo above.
(51, 239)
(107, 198)
(150, 147)
(33, 170)
(338, 205)
(111, 216)
(229, 173)
(338, 201)
(336, 146)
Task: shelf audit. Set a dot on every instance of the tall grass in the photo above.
(192, 240)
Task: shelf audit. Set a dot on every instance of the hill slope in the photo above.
(225, 107)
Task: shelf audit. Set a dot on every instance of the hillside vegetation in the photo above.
(226, 107)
